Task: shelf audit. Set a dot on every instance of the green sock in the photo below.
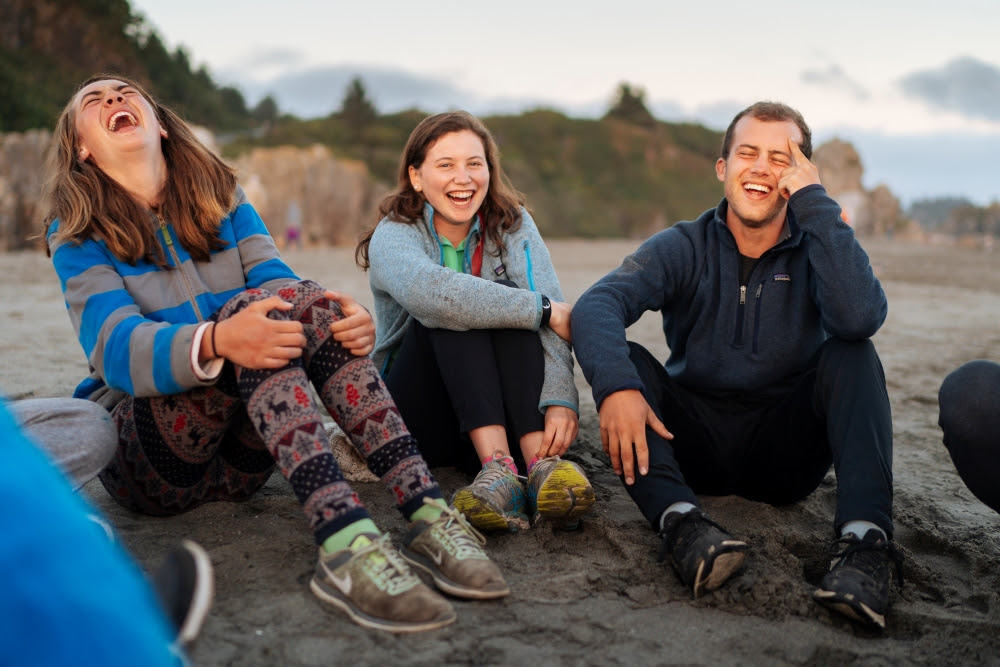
(344, 538)
(430, 511)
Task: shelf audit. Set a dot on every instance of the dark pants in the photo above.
(774, 448)
(970, 419)
(446, 383)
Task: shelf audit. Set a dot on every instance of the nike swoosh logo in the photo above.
(343, 583)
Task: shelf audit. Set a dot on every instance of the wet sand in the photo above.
(598, 596)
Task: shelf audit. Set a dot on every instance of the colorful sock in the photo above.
(430, 512)
(531, 463)
(350, 537)
(505, 458)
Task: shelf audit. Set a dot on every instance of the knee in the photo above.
(969, 402)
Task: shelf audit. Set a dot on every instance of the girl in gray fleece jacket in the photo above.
(472, 336)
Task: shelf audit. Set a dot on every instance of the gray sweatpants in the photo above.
(77, 435)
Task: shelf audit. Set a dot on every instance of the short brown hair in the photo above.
(770, 112)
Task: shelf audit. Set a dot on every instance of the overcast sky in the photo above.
(914, 85)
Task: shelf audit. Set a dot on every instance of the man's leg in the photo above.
(702, 553)
(78, 435)
(970, 420)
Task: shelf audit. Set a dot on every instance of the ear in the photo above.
(163, 132)
(83, 153)
(720, 169)
(415, 178)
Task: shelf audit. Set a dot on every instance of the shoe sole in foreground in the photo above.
(565, 496)
(365, 620)
(720, 568)
(449, 586)
(851, 607)
(483, 515)
(204, 592)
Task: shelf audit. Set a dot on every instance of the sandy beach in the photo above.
(597, 596)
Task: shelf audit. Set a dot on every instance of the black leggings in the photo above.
(970, 419)
(446, 383)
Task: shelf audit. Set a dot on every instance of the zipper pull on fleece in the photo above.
(743, 295)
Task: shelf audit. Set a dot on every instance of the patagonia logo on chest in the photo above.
(781, 277)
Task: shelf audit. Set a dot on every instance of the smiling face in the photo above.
(454, 177)
(750, 173)
(112, 118)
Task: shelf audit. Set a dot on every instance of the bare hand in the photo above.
(801, 173)
(253, 340)
(356, 332)
(624, 417)
(559, 320)
(561, 427)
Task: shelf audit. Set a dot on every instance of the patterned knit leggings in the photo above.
(221, 442)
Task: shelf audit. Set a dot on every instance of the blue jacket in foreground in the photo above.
(136, 322)
(409, 282)
(815, 283)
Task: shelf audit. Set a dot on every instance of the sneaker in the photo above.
(451, 551)
(185, 583)
(495, 499)
(857, 584)
(374, 586)
(702, 553)
(559, 491)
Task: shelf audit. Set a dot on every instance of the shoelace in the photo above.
(390, 571)
(853, 545)
(468, 541)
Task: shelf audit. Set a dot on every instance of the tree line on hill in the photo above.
(624, 174)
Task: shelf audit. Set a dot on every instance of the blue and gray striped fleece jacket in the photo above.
(409, 282)
(136, 323)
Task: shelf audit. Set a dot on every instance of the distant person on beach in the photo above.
(472, 332)
(969, 403)
(204, 344)
(768, 305)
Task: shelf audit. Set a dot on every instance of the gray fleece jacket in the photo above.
(409, 282)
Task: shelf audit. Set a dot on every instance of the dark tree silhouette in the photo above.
(630, 106)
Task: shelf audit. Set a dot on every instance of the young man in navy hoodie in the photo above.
(768, 305)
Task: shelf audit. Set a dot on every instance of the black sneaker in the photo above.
(857, 584)
(702, 553)
(185, 583)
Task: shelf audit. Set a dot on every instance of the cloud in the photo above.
(834, 77)
(965, 85)
(276, 57)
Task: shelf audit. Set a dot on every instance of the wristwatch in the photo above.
(546, 311)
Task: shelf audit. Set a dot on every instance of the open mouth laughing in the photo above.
(121, 120)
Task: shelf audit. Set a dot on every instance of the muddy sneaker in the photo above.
(451, 551)
(857, 584)
(702, 553)
(495, 499)
(559, 491)
(185, 585)
(373, 585)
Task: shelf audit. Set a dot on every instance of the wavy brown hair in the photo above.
(199, 192)
(501, 210)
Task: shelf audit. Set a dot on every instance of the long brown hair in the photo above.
(501, 210)
(199, 192)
